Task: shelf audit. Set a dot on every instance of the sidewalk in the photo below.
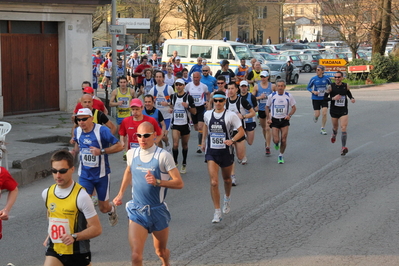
(32, 140)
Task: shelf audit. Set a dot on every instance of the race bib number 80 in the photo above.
(58, 227)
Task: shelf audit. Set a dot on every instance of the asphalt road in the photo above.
(319, 208)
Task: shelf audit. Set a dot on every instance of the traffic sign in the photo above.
(333, 62)
(117, 29)
(336, 68)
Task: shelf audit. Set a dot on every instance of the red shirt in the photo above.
(129, 127)
(177, 69)
(6, 181)
(97, 104)
(140, 68)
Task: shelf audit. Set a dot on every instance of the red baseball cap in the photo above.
(136, 102)
(88, 90)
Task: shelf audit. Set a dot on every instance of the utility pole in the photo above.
(113, 76)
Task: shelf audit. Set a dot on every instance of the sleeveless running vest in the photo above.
(124, 109)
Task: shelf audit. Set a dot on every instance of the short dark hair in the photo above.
(220, 77)
(149, 96)
(86, 82)
(62, 155)
(122, 77)
(339, 72)
(158, 71)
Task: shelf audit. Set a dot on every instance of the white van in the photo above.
(213, 51)
(334, 44)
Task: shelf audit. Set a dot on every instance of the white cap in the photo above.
(181, 81)
(177, 58)
(84, 111)
(264, 73)
(244, 82)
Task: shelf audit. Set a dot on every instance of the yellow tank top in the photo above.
(63, 217)
(95, 116)
(256, 78)
(124, 109)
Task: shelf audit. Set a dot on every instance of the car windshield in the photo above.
(269, 56)
(242, 51)
(274, 67)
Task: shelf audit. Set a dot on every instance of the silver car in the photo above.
(277, 71)
(310, 61)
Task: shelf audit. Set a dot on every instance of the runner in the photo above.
(217, 144)
(339, 108)
(317, 86)
(250, 122)
(279, 109)
(182, 103)
(261, 91)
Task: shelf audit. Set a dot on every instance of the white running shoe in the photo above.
(113, 216)
(244, 161)
(233, 181)
(217, 217)
(183, 169)
(226, 204)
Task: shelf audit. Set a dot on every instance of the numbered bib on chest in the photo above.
(217, 140)
(321, 92)
(279, 110)
(180, 116)
(263, 100)
(197, 98)
(58, 227)
(160, 101)
(340, 102)
(125, 102)
(88, 159)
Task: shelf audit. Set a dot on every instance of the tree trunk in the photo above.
(382, 27)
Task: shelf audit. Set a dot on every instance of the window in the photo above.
(179, 34)
(182, 50)
(302, 11)
(262, 12)
(26, 27)
(227, 35)
(201, 51)
(224, 53)
(179, 9)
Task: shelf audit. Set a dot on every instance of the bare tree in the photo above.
(381, 29)
(98, 18)
(208, 18)
(350, 19)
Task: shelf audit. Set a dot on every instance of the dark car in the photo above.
(316, 45)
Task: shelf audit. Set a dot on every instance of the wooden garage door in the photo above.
(29, 71)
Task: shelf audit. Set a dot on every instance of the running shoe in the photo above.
(217, 217)
(315, 119)
(239, 161)
(226, 205)
(280, 159)
(183, 169)
(244, 161)
(277, 146)
(333, 138)
(124, 156)
(113, 216)
(344, 151)
(95, 200)
(323, 131)
(199, 150)
(233, 180)
(267, 151)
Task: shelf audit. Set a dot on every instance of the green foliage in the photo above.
(357, 76)
(385, 67)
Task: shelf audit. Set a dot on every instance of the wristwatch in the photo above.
(158, 182)
(75, 236)
(102, 151)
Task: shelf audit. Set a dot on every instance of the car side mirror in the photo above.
(283, 69)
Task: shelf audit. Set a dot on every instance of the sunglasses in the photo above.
(264, 76)
(218, 100)
(319, 69)
(61, 171)
(220, 83)
(146, 135)
(82, 119)
(179, 84)
(205, 70)
(337, 77)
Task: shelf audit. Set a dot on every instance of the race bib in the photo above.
(125, 102)
(180, 116)
(134, 145)
(88, 159)
(197, 98)
(321, 92)
(160, 101)
(217, 140)
(58, 227)
(340, 102)
(279, 110)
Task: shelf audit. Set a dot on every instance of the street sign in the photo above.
(333, 62)
(117, 29)
(335, 68)
(135, 25)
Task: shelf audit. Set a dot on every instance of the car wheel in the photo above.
(307, 68)
(295, 81)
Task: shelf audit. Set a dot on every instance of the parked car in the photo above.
(294, 45)
(359, 55)
(316, 45)
(335, 56)
(261, 49)
(267, 56)
(333, 44)
(309, 61)
(295, 60)
(262, 60)
(277, 71)
(306, 51)
(275, 48)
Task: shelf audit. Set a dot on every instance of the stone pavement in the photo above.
(34, 137)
